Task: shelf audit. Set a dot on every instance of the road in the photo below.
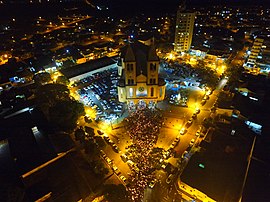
(178, 116)
(239, 58)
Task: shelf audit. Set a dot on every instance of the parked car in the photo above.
(184, 155)
(183, 131)
(115, 148)
(192, 141)
(116, 170)
(124, 157)
(189, 123)
(123, 178)
(152, 183)
(203, 102)
(102, 153)
(100, 132)
(194, 116)
(108, 160)
(169, 179)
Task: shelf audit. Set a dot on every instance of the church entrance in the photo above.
(142, 104)
(151, 105)
(131, 106)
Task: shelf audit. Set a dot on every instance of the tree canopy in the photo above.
(52, 93)
(116, 193)
(62, 80)
(64, 114)
(100, 141)
(79, 134)
(61, 110)
(208, 76)
(234, 73)
(42, 78)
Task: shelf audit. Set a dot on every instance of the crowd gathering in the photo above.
(143, 127)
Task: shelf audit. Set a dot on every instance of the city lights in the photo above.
(132, 102)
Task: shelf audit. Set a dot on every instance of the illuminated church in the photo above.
(140, 82)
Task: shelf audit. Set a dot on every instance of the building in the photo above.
(184, 29)
(33, 164)
(140, 82)
(86, 69)
(217, 171)
(256, 49)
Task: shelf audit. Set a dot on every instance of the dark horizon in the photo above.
(118, 8)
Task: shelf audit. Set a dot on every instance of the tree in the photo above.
(209, 77)
(115, 193)
(64, 114)
(234, 73)
(89, 131)
(52, 93)
(184, 92)
(209, 122)
(239, 35)
(91, 148)
(61, 110)
(100, 141)
(99, 168)
(42, 78)
(79, 134)
(62, 80)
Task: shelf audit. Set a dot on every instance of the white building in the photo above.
(184, 29)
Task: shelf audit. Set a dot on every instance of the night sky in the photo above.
(119, 7)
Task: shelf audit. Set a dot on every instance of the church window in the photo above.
(152, 92)
(130, 81)
(153, 67)
(129, 67)
(131, 92)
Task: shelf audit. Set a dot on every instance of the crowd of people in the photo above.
(143, 127)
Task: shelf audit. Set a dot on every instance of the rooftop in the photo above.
(221, 163)
(141, 54)
(87, 67)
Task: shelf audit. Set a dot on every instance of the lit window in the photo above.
(131, 92)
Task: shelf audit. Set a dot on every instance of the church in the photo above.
(140, 82)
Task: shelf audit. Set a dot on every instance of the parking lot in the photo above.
(99, 91)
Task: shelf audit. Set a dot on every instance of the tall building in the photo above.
(184, 29)
(140, 82)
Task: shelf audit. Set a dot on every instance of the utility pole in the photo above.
(248, 165)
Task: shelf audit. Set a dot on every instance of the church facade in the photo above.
(140, 82)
